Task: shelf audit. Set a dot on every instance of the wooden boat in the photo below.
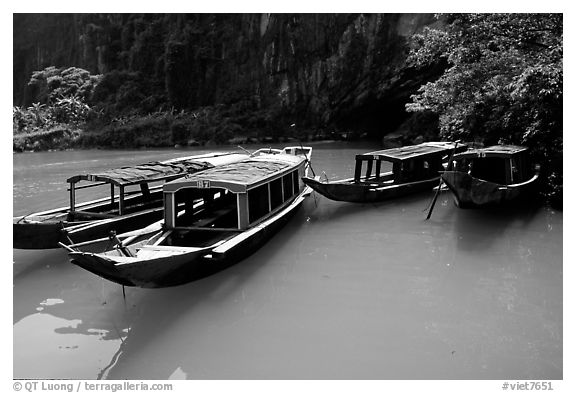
(413, 169)
(491, 176)
(212, 219)
(137, 203)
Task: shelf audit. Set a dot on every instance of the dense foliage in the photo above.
(503, 83)
(59, 111)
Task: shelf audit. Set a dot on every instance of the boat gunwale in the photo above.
(500, 185)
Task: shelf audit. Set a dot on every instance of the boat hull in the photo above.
(157, 273)
(362, 193)
(102, 228)
(179, 269)
(44, 230)
(36, 235)
(471, 192)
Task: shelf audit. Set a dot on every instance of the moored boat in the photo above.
(135, 201)
(390, 173)
(491, 176)
(212, 219)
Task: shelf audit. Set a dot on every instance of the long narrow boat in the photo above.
(491, 176)
(213, 219)
(137, 203)
(413, 169)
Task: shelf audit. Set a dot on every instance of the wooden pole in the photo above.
(448, 167)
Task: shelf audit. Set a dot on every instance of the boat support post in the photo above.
(448, 167)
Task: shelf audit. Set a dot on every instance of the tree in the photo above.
(503, 82)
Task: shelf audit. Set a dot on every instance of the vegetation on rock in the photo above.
(503, 83)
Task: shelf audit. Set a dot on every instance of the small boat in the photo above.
(212, 219)
(406, 170)
(491, 176)
(137, 203)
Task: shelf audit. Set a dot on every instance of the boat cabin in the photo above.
(500, 164)
(408, 163)
(235, 196)
(133, 184)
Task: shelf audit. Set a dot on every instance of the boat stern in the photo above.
(35, 235)
(101, 266)
(470, 192)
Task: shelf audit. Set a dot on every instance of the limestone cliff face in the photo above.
(317, 69)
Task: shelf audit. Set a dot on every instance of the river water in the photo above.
(344, 291)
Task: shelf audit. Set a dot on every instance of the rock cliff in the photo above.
(345, 71)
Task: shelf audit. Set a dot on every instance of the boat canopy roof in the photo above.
(399, 154)
(145, 173)
(503, 151)
(240, 176)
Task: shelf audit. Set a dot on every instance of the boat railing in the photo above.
(532, 179)
(88, 186)
(91, 215)
(213, 229)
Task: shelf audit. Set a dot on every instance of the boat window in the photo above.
(462, 165)
(519, 169)
(358, 170)
(431, 166)
(288, 187)
(296, 180)
(276, 193)
(184, 206)
(492, 169)
(369, 169)
(410, 170)
(258, 202)
(209, 208)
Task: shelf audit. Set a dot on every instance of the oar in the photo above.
(440, 183)
(246, 150)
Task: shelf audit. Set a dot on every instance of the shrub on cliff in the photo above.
(50, 84)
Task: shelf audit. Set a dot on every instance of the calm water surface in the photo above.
(344, 291)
